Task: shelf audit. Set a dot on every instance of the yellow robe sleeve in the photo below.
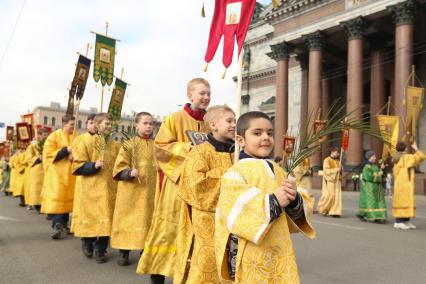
(199, 186)
(80, 153)
(243, 208)
(170, 154)
(330, 173)
(121, 163)
(51, 148)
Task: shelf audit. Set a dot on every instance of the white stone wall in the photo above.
(259, 95)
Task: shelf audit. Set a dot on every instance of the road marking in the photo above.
(4, 218)
(338, 225)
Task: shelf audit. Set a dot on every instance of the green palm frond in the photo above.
(132, 148)
(336, 120)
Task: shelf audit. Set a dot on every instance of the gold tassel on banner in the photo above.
(206, 67)
(203, 12)
(224, 74)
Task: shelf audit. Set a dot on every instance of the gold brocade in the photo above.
(77, 188)
(36, 174)
(98, 191)
(404, 202)
(171, 148)
(199, 189)
(19, 178)
(265, 251)
(26, 177)
(134, 204)
(58, 185)
(330, 202)
(12, 180)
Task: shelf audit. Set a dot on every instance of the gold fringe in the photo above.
(223, 74)
(206, 67)
(203, 12)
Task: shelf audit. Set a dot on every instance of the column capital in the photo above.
(355, 27)
(280, 51)
(404, 12)
(303, 59)
(315, 40)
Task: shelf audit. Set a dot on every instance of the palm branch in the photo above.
(337, 119)
(131, 148)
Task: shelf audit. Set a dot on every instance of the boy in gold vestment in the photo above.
(199, 190)
(94, 161)
(58, 184)
(257, 209)
(136, 172)
(171, 147)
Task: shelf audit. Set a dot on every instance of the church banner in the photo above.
(231, 19)
(414, 105)
(389, 127)
(80, 77)
(117, 99)
(104, 59)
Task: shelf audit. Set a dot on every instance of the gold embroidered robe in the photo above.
(265, 251)
(19, 165)
(171, 148)
(134, 204)
(199, 190)
(98, 191)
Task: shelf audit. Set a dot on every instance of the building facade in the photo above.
(302, 56)
(51, 116)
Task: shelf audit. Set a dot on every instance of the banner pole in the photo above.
(238, 105)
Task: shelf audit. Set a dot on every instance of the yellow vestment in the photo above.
(58, 186)
(134, 204)
(98, 191)
(36, 174)
(265, 252)
(404, 203)
(171, 148)
(199, 190)
(330, 202)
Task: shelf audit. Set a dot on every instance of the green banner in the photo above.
(104, 60)
(117, 99)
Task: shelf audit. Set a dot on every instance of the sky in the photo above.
(162, 46)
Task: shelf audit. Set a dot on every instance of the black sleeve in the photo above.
(87, 169)
(124, 175)
(61, 154)
(274, 207)
(38, 161)
(295, 209)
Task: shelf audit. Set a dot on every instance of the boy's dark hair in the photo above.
(243, 122)
(400, 147)
(67, 118)
(333, 149)
(91, 117)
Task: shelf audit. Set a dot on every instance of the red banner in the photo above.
(345, 139)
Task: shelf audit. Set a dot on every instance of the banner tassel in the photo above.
(203, 12)
(206, 67)
(223, 74)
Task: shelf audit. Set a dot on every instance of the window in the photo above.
(129, 128)
(45, 119)
(53, 121)
(79, 124)
(122, 128)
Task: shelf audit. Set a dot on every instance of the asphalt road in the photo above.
(345, 251)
